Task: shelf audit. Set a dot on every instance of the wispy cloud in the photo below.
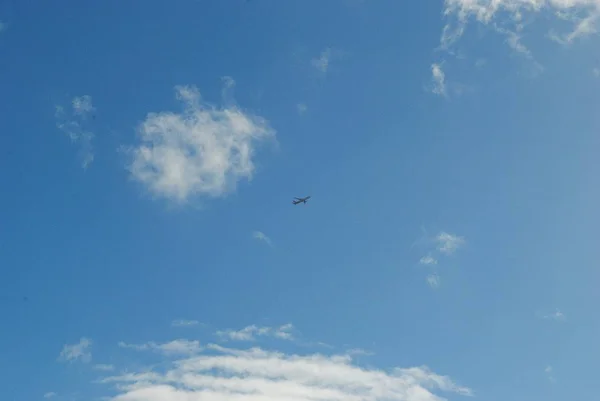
(428, 260)
(434, 280)
(250, 333)
(104, 367)
(557, 315)
(203, 150)
(82, 105)
(175, 347)
(439, 246)
(596, 72)
(301, 108)
(359, 351)
(321, 63)
(74, 124)
(438, 78)
(184, 323)
(80, 351)
(449, 243)
(260, 236)
(50, 394)
(549, 373)
(509, 18)
(511, 12)
(257, 374)
(2, 27)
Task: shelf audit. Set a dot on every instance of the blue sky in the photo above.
(149, 249)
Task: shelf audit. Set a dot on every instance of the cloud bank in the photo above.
(257, 374)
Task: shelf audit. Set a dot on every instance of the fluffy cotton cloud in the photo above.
(449, 243)
(200, 151)
(175, 347)
(250, 333)
(260, 236)
(438, 79)
(184, 323)
(74, 124)
(257, 374)
(80, 351)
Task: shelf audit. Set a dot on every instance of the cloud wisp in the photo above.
(438, 79)
(449, 243)
(322, 62)
(201, 151)
(510, 18)
(434, 280)
(301, 108)
(260, 236)
(74, 352)
(172, 348)
(440, 246)
(250, 333)
(256, 374)
(557, 315)
(74, 124)
(184, 323)
(104, 367)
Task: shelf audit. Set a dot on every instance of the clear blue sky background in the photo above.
(502, 155)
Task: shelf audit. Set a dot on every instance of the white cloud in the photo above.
(256, 374)
(510, 12)
(250, 333)
(301, 108)
(434, 280)
(509, 18)
(104, 367)
(260, 236)
(322, 62)
(175, 347)
(184, 323)
(82, 105)
(2, 26)
(200, 151)
(449, 243)
(50, 394)
(428, 260)
(549, 373)
(438, 78)
(359, 351)
(80, 351)
(596, 72)
(556, 315)
(73, 124)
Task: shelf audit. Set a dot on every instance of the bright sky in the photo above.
(150, 153)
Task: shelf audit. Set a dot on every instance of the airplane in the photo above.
(300, 200)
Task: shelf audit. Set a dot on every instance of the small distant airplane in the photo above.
(300, 200)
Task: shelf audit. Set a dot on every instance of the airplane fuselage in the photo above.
(300, 200)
